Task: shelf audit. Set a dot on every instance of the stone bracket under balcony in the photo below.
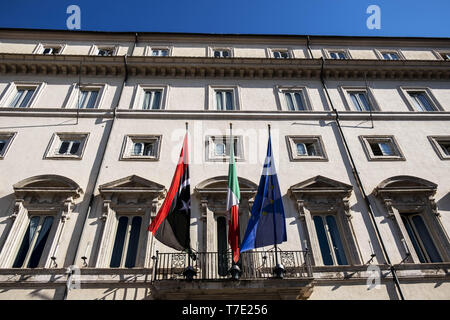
(263, 289)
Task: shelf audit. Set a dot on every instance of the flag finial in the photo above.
(187, 126)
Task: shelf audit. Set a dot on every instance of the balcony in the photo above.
(211, 275)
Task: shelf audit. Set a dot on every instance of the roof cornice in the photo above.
(239, 68)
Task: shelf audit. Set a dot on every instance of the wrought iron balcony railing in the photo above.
(217, 266)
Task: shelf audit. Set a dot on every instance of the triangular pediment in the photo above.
(319, 183)
(131, 183)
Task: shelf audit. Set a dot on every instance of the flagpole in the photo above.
(189, 272)
(279, 269)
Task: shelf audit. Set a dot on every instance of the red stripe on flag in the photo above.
(165, 208)
(233, 232)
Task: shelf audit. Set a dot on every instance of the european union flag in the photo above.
(267, 225)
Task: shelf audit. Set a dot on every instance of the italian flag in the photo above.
(233, 197)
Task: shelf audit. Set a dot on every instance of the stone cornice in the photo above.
(233, 68)
(219, 115)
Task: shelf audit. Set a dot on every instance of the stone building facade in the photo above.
(91, 126)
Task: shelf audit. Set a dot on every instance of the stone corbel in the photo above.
(154, 208)
(204, 208)
(18, 205)
(67, 209)
(346, 207)
(301, 209)
(106, 209)
(433, 206)
(389, 207)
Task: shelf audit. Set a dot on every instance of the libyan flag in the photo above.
(233, 197)
(171, 224)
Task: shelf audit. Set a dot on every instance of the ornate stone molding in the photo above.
(201, 67)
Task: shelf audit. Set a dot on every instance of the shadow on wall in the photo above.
(444, 203)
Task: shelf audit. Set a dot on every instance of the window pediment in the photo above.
(321, 185)
(48, 189)
(219, 185)
(405, 184)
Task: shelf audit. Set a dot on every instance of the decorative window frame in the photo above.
(438, 54)
(291, 142)
(269, 52)
(211, 101)
(366, 140)
(41, 195)
(125, 154)
(57, 137)
(119, 199)
(39, 49)
(138, 96)
(71, 101)
(11, 89)
(281, 101)
(379, 53)
(9, 136)
(415, 196)
(213, 194)
(211, 50)
(434, 140)
(321, 195)
(345, 93)
(408, 100)
(149, 48)
(93, 51)
(209, 152)
(326, 53)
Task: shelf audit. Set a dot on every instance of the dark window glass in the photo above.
(336, 239)
(2, 145)
(222, 246)
(427, 241)
(26, 242)
(156, 100)
(119, 242)
(413, 239)
(323, 241)
(133, 242)
(64, 147)
(75, 147)
(40, 243)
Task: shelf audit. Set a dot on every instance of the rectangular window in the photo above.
(126, 242)
(445, 55)
(421, 239)
(22, 97)
(67, 146)
(87, 99)
(222, 53)
(33, 242)
(441, 144)
(360, 100)
(160, 52)
(140, 147)
(105, 52)
(381, 148)
(224, 100)
(420, 101)
(295, 100)
(5, 141)
(280, 54)
(338, 55)
(51, 50)
(152, 100)
(330, 243)
(390, 56)
(306, 148)
(218, 148)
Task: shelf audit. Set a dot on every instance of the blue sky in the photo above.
(414, 18)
